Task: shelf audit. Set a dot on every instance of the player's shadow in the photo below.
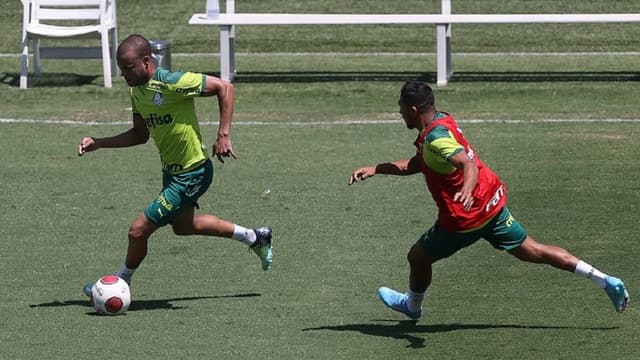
(138, 305)
(407, 329)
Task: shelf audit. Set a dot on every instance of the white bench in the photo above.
(442, 21)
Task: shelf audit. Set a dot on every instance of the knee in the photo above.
(182, 230)
(137, 234)
(417, 255)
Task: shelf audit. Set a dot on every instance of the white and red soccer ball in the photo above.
(111, 295)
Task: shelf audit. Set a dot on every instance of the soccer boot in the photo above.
(617, 293)
(87, 288)
(262, 246)
(398, 302)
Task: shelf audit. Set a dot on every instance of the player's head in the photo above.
(134, 60)
(416, 98)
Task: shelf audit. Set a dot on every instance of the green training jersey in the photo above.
(166, 103)
(439, 146)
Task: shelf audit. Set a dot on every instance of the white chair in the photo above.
(52, 19)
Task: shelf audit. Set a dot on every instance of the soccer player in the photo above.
(472, 204)
(163, 109)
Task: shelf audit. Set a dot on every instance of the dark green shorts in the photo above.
(504, 232)
(179, 192)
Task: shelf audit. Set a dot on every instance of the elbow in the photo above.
(143, 138)
(228, 90)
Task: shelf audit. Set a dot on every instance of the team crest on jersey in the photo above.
(157, 99)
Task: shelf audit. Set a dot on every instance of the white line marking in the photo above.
(390, 54)
(311, 123)
(416, 54)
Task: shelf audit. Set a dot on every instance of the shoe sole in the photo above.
(625, 304)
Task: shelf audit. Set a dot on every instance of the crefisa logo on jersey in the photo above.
(157, 99)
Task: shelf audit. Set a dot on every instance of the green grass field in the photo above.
(571, 183)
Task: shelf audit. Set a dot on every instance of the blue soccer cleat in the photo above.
(262, 246)
(617, 293)
(398, 302)
(87, 289)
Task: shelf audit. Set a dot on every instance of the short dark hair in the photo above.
(418, 94)
(137, 42)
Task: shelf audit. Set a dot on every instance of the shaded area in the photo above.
(430, 77)
(403, 330)
(47, 79)
(155, 304)
(72, 79)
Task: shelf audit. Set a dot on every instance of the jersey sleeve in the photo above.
(187, 84)
(442, 143)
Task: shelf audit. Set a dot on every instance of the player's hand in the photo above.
(362, 174)
(465, 197)
(222, 148)
(87, 144)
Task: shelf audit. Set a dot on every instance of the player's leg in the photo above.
(535, 252)
(508, 234)
(420, 268)
(437, 243)
(190, 223)
(186, 189)
(139, 233)
(258, 239)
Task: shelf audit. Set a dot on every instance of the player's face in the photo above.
(134, 69)
(409, 114)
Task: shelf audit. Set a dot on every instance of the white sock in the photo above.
(247, 236)
(585, 270)
(125, 273)
(414, 301)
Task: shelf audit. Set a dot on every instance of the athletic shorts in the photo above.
(503, 232)
(178, 193)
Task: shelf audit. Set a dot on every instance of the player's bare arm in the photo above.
(470, 178)
(224, 91)
(403, 167)
(138, 134)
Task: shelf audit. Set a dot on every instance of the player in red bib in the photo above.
(472, 204)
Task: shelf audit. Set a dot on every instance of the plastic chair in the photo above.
(69, 19)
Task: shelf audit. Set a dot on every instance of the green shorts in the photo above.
(504, 232)
(178, 193)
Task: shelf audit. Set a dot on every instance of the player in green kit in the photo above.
(163, 109)
(472, 204)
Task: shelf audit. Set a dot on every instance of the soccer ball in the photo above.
(111, 295)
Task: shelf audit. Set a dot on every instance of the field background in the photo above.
(561, 129)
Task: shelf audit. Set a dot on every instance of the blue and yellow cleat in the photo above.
(262, 247)
(617, 293)
(398, 302)
(87, 289)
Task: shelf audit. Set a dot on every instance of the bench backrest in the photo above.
(47, 11)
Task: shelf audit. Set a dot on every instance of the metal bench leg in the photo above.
(226, 53)
(443, 50)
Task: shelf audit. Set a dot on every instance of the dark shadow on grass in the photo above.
(404, 330)
(137, 305)
(50, 79)
(430, 77)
